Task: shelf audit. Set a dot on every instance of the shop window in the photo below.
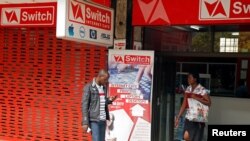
(222, 79)
(205, 39)
(218, 78)
(199, 67)
(232, 42)
(201, 42)
(228, 44)
(224, 42)
(244, 42)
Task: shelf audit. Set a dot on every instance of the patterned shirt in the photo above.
(199, 90)
(102, 102)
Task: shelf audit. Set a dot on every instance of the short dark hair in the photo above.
(195, 75)
(102, 72)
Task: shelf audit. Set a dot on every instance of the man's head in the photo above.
(102, 77)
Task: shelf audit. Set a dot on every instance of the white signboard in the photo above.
(86, 22)
(120, 44)
(131, 80)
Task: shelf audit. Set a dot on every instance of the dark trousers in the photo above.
(195, 130)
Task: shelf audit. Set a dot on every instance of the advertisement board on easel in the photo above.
(131, 75)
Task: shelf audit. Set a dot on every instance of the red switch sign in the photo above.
(28, 15)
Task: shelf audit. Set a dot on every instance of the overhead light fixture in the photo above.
(195, 27)
(235, 33)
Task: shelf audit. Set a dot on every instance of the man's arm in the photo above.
(205, 99)
(85, 106)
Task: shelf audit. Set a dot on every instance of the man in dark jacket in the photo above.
(95, 106)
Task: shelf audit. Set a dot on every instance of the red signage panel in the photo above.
(97, 15)
(87, 14)
(39, 14)
(195, 12)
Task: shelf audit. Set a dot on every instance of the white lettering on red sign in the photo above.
(136, 59)
(239, 7)
(87, 14)
(37, 16)
(28, 15)
(141, 101)
(98, 17)
(224, 9)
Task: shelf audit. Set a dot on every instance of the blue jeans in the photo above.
(98, 129)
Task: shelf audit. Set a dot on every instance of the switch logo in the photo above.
(43, 15)
(224, 9)
(132, 59)
(76, 13)
(89, 14)
(153, 11)
(118, 58)
(10, 16)
(214, 9)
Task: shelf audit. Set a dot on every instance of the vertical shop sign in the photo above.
(131, 75)
(86, 22)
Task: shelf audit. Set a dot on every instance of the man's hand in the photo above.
(112, 98)
(85, 128)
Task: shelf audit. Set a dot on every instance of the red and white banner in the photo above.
(25, 15)
(186, 12)
(131, 80)
(85, 22)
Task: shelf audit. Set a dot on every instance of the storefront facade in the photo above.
(206, 35)
(42, 76)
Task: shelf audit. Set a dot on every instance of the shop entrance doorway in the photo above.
(163, 100)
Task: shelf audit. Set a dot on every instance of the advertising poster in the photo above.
(131, 80)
